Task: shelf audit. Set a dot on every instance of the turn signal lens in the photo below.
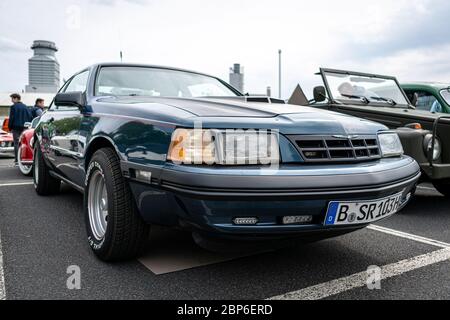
(415, 126)
(192, 147)
(144, 176)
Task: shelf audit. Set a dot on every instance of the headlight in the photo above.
(190, 146)
(390, 144)
(437, 151)
(2, 144)
(224, 147)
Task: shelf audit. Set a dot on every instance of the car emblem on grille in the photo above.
(345, 137)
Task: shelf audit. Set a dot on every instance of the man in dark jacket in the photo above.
(18, 115)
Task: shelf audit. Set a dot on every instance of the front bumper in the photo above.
(437, 171)
(208, 199)
(8, 150)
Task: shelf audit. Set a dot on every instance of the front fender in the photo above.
(135, 140)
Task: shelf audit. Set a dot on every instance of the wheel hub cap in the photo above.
(98, 205)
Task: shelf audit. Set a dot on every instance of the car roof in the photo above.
(423, 84)
(125, 64)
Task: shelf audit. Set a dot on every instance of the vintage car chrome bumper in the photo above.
(6, 150)
(208, 199)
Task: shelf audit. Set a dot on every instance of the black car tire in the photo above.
(443, 187)
(44, 183)
(126, 232)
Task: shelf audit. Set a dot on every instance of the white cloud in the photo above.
(211, 35)
(114, 2)
(424, 64)
(10, 45)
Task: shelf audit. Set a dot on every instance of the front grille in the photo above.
(337, 149)
(6, 144)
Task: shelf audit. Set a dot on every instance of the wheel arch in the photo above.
(98, 143)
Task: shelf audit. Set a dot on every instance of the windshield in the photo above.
(156, 82)
(446, 95)
(364, 88)
(35, 122)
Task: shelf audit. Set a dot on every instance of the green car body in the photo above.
(424, 94)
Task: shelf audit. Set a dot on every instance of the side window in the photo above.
(78, 83)
(427, 102)
(52, 106)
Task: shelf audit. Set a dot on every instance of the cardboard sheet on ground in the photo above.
(172, 251)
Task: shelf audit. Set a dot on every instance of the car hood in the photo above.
(237, 113)
(212, 107)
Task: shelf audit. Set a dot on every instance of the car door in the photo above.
(61, 126)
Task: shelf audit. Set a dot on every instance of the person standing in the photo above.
(38, 108)
(18, 115)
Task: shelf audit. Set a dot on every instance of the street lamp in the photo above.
(279, 74)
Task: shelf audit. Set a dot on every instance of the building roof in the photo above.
(44, 44)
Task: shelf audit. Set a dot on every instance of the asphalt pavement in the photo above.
(43, 237)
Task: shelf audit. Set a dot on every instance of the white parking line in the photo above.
(14, 184)
(426, 188)
(359, 280)
(410, 236)
(2, 277)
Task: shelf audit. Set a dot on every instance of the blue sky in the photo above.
(408, 39)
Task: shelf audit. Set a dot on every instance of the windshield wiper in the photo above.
(390, 101)
(362, 98)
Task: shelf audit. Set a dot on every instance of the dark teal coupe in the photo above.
(150, 145)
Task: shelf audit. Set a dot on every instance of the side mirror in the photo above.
(415, 98)
(70, 99)
(320, 94)
(27, 125)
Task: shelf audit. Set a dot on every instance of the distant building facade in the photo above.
(43, 68)
(237, 77)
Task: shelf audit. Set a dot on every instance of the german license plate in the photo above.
(361, 212)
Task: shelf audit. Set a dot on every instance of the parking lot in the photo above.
(41, 237)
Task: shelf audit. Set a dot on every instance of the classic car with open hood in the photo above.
(379, 98)
(150, 145)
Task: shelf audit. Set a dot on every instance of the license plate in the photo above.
(361, 212)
